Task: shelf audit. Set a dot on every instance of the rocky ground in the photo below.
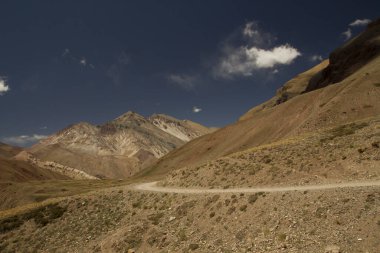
(123, 219)
(120, 219)
(344, 153)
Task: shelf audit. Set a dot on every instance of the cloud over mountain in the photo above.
(360, 22)
(253, 52)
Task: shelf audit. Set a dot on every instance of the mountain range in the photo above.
(118, 148)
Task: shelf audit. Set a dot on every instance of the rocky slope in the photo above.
(118, 148)
(122, 220)
(350, 152)
(296, 109)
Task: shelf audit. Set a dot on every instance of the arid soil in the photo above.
(120, 219)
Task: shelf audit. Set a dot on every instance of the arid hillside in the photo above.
(118, 148)
(12, 169)
(296, 109)
(349, 152)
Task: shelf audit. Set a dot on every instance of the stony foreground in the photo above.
(120, 219)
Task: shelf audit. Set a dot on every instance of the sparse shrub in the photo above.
(231, 210)
(343, 131)
(252, 198)
(41, 216)
(182, 209)
(132, 241)
(182, 235)
(282, 237)
(212, 214)
(155, 218)
(376, 84)
(10, 224)
(321, 212)
(370, 198)
(240, 235)
(243, 208)
(193, 246)
(137, 204)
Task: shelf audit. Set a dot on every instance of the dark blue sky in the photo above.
(71, 61)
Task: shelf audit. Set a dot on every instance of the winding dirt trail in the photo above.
(153, 187)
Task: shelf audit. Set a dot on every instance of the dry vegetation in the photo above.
(117, 220)
(14, 194)
(348, 152)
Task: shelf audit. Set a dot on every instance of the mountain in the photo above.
(12, 169)
(118, 148)
(337, 91)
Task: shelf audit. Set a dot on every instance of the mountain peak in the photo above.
(162, 116)
(129, 117)
(130, 114)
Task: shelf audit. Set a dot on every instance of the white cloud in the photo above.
(3, 86)
(316, 58)
(244, 61)
(249, 30)
(186, 82)
(196, 109)
(83, 61)
(360, 22)
(347, 34)
(252, 51)
(23, 140)
(284, 54)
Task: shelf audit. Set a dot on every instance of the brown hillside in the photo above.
(353, 98)
(16, 170)
(119, 148)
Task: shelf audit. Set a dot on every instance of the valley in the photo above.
(297, 173)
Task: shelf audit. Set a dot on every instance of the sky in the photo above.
(63, 62)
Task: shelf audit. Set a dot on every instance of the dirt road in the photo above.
(153, 187)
